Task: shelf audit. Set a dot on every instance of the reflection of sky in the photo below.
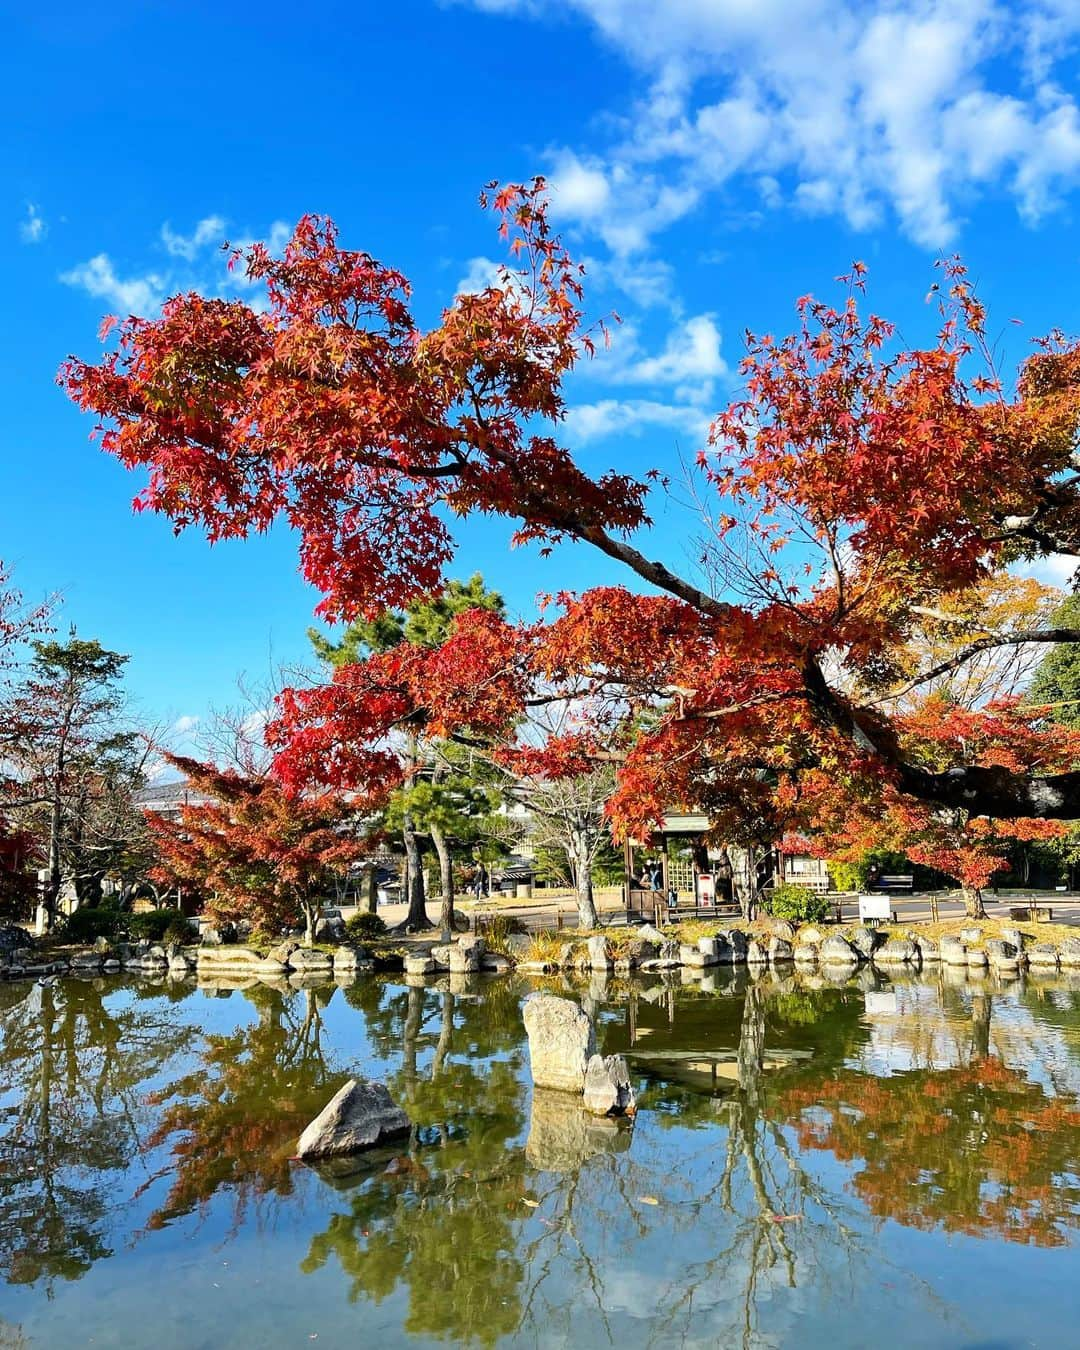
(932, 1029)
(601, 1266)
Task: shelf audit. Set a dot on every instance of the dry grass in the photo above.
(546, 947)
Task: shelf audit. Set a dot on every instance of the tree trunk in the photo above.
(311, 913)
(416, 920)
(973, 903)
(743, 879)
(371, 891)
(580, 864)
(446, 875)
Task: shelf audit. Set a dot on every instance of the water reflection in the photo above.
(73, 1070)
(779, 1122)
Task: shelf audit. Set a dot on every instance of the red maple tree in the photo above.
(256, 850)
(854, 486)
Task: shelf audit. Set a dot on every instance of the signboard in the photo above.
(706, 891)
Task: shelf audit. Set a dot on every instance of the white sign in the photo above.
(875, 909)
(706, 890)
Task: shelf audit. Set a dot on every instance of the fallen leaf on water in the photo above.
(533, 1204)
(648, 1199)
(785, 1218)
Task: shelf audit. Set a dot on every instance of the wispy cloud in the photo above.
(208, 232)
(127, 295)
(862, 109)
(194, 261)
(634, 417)
(32, 228)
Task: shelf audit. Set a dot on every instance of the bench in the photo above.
(875, 909)
(895, 883)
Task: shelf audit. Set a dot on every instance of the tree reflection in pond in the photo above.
(440, 1220)
(75, 1065)
(976, 1146)
(233, 1121)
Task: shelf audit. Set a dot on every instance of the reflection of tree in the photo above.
(234, 1120)
(758, 1220)
(975, 1149)
(74, 1065)
(440, 1220)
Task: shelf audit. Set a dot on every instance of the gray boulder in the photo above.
(811, 935)
(599, 955)
(330, 929)
(838, 951)
(311, 958)
(782, 928)
(806, 954)
(608, 1090)
(972, 933)
(1069, 952)
(1014, 936)
(977, 959)
(1043, 954)
(739, 944)
(561, 1042)
(953, 952)
(897, 952)
(757, 954)
(420, 963)
(495, 963)
(1002, 953)
(464, 958)
(780, 950)
(283, 951)
(360, 1116)
(929, 951)
(650, 933)
(641, 949)
(866, 941)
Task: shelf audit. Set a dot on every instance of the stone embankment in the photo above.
(777, 944)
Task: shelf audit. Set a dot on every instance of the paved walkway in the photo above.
(539, 913)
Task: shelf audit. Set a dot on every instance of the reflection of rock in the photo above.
(608, 1091)
(563, 1135)
(361, 1115)
(561, 1041)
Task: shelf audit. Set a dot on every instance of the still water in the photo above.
(886, 1164)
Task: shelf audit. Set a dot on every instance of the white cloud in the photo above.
(856, 108)
(480, 273)
(183, 725)
(690, 359)
(32, 229)
(144, 292)
(595, 421)
(208, 231)
(132, 295)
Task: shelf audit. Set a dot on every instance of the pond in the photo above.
(896, 1164)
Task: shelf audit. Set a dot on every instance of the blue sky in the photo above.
(711, 159)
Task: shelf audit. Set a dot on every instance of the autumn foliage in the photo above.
(256, 849)
(855, 487)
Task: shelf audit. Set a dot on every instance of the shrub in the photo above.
(155, 923)
(365, 926)
(179, 931)
(86, 924)
(797, 903)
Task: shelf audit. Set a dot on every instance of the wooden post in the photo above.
(934, 912)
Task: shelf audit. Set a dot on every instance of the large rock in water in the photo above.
(561, 1042)
(360, 1116)
(608, 1091)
